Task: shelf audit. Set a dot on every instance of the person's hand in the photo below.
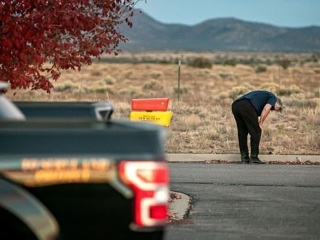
(260, 125)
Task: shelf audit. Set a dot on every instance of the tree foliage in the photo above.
(39, 38)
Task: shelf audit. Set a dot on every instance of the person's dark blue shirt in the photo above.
(259, 98)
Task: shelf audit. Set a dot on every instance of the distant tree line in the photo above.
(205, 62)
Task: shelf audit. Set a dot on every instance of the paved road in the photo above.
(235, 201)
(235, 158)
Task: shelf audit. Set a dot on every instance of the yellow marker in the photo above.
(162, 118)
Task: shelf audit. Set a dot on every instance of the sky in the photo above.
(282, 13)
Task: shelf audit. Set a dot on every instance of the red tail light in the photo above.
(150, 183)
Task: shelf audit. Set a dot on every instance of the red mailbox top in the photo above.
(150, 104)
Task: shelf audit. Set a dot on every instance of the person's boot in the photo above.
(255, 160)
(245, 158)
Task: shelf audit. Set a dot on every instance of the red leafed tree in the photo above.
(39, 38)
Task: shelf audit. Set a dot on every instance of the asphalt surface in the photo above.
(180, 204)
(235, 158)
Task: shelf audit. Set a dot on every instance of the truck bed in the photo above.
(141, 140)
(66, 110)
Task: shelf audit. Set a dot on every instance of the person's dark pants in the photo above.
(247, 123)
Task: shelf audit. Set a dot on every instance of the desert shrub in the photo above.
(314, 58)
(200, 62)
(273, 87)
(238, 91)
(165, 61)
(128, 74)
(180, 90)
(293, 89)
(109, 80)
(65, 86)
(127, 82)
(103, 90)
(223, 95)
(130, 92)
(156, 74)
(260, 69)
(313, 140)
(250, 61)
(96, 88)
(122, 110)
(114, 60)
(301, 103)
(284, 63)
(192, 120)
(212, 134)
(96, 73)
(230, 62)
(100, 83)
(225, 76)
(80, 90)
(202, 73)
(152, 85)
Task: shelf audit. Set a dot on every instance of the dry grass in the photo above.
(202, 120)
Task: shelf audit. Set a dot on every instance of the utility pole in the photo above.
(179, 70)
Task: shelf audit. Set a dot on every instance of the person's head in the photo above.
(279, 106)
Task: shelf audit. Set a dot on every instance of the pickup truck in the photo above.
(71, 110)
(78, 178)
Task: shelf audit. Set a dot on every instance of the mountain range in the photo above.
(220, 34)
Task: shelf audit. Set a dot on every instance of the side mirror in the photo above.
(8, 111)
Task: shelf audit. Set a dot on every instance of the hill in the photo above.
(221, 34)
